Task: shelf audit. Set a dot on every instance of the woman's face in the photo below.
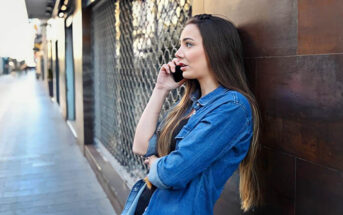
(192, 54)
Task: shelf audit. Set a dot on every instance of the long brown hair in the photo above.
(224, 54)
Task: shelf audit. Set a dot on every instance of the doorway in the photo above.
(57, 74)
(70, 76)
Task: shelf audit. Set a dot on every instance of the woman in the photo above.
(210, 133)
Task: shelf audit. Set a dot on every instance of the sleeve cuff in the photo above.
(154, 178)
(152, 146)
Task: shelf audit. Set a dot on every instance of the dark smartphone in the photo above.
(177, 75)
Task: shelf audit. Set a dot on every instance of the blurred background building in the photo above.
(99, 60)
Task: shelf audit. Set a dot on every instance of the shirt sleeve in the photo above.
(152, 147)
(215, 135)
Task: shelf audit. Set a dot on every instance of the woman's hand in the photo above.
(165, 79)
(150, 160)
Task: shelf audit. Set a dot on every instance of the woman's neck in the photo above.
(207, 85)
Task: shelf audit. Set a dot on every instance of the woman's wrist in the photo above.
(161, 90)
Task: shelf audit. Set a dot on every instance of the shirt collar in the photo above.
(208, 98)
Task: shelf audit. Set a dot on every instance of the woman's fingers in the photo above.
(175, 61)
(166, 68)
(150, 160)
(165, 75)
(146, 161)
(172, 66)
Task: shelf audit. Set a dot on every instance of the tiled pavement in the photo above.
(42, 170)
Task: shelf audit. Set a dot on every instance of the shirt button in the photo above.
(197, 105)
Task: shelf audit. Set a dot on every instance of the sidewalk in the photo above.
(42, 170)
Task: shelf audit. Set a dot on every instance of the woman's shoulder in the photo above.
(235, 98)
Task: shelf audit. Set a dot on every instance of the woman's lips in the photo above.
(183, 68)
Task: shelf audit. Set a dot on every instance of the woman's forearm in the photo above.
(148, 121)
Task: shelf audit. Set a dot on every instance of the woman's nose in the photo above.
(178, 53)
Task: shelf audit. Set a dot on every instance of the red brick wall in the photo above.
(294, 58)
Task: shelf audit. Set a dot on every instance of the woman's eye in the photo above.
(188, 45)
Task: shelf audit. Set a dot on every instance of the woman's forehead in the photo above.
(190, 31)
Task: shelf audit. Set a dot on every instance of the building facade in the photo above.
(105, 56)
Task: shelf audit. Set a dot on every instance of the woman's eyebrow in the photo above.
(187, 38)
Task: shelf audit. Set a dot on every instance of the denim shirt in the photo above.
(209, 148)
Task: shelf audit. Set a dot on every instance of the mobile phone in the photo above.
(177, 75)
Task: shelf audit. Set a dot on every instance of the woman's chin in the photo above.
(187, 75)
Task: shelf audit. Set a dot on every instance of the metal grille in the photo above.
(131, 40)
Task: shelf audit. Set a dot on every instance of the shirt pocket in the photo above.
(182, 134)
